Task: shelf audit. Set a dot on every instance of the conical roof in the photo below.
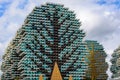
(56, 75)
(70, 77)
(41, 77)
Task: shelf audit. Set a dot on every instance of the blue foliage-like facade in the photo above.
(50, 34)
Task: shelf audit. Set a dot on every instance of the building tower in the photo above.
(115, 68)
(97, 66)
(49, 34)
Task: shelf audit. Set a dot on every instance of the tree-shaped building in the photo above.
(49, 36)
(97, 65)
(115, 68)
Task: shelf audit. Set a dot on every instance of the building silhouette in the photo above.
(115, 68)
(97, 65)
(50, 34)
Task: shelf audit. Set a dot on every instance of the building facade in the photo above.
(50, 34)
(115, 68)
(97, 66)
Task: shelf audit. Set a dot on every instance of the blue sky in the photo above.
(100, 20)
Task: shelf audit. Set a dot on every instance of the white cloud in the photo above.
(101, 22)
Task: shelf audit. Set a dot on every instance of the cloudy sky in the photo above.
(100, 20)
